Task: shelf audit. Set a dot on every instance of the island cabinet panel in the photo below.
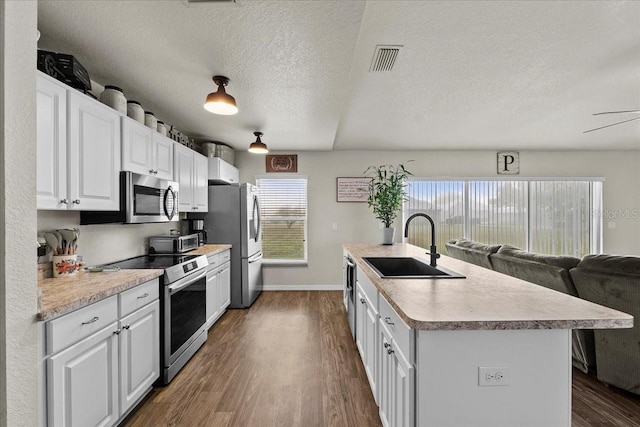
(367, 336)
(537, 378)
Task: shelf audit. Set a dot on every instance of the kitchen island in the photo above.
(485, 350)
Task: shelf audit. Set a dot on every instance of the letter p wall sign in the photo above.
(508, 163)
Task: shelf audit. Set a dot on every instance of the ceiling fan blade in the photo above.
(616, 112)
(613, 124)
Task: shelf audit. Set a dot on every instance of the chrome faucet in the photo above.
(433, 253)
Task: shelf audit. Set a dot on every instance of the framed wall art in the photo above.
(287, 163)
(354, 189)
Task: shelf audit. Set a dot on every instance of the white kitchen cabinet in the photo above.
(145, 151)
(397, 382)
(222, 172)
(139, 354)
(218, 286)
(102, 359)
(367, 329)
(93, 135)
(201, 184)
(52, 143)
(190, 171)
(83, 382)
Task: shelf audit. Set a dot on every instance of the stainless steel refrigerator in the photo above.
(234, 218)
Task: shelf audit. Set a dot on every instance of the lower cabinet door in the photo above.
(224, 285)
(82, 386)
(212, 306)
(403, 389)
(371, 348)
(139, 353)
(385, 379)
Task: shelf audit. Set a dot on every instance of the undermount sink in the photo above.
(408, 268)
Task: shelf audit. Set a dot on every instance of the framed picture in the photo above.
(352, 189)
(282, 163)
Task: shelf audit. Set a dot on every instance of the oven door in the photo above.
(184, 314)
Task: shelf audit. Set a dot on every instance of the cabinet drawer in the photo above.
(224, 256)
(73, 327)
(214, 261)
(135, 298)
(368, 289)
(402, 335)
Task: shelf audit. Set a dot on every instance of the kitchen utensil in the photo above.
(59, 237)
(52, 241)
(67, 236)
(100, 268)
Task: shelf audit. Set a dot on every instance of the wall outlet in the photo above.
(334, 226)
(493, 376)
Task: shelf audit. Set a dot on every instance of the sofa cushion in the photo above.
(562, 261)
(490, 249)
(616, 264)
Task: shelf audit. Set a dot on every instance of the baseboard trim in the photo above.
(302, 287)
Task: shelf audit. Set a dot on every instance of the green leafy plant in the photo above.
(387, 191)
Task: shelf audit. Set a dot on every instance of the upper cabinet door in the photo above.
(163, 156)
(137, 147)
(94, 154)
(183, 174)
(200, 187)
(52, 144)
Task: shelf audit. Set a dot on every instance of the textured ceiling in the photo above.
(469, 75)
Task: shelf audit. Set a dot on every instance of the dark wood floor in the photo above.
(290, 361)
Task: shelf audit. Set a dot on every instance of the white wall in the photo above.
(100, 244)
(356, 223)
(18, 290)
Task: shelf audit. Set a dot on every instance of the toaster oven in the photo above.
(172, 244)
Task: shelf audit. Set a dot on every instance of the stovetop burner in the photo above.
(175, 266)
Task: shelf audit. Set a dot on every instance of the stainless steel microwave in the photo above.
(143, 199)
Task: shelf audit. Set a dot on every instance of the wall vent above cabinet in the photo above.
(384, 58)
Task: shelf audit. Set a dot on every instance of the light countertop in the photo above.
(484, 300)
(63, 295)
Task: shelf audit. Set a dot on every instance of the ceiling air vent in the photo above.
(384, 58)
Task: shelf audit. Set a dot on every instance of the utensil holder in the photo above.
(64, 265)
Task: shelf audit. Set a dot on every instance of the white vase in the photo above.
(387, 235)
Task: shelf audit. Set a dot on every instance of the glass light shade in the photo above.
(258, 148)
(221, 102)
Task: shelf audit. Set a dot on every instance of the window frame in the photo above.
(596, 196)
(289, 262)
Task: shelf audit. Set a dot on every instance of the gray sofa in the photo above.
(614, 281)
(550, 271)
(471, 252)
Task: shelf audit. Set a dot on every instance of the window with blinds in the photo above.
(283, 214)
(544, 216)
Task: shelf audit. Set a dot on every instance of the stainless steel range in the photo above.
(182, 305)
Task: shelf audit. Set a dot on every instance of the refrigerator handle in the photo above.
(256, 205)
(255, 258)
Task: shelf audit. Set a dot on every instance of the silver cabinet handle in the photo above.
(65, 201)
(362, 300)
(388, 321)
(386, 345)
(144, 295)
(150, 170)
(117, 331)
(155, 171)
(126, 326)
(390, 350)
(95, 319)
(76, 202)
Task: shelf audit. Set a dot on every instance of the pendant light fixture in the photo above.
(258, 146)
(220, 102)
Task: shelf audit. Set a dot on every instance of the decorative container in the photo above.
(387, 235)
(162, 129)
(150, 120)
(64, 265)
(135, 111)
(114, 98)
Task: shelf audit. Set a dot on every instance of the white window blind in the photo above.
(283, 202)
(544, 216)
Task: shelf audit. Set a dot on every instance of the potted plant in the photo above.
(386, 194)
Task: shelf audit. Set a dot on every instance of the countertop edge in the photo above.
(624, 320)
